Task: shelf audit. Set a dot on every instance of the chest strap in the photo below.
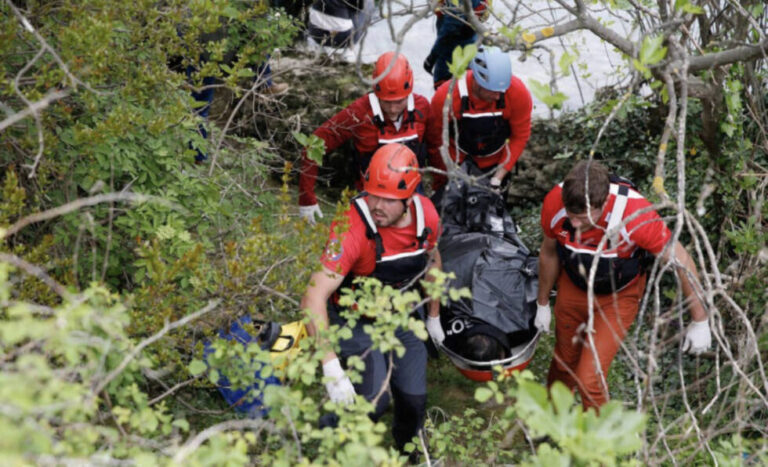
(422, 232)
(464, 95)
(378, 115)
(621, 193)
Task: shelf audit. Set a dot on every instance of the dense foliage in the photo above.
(120, 257)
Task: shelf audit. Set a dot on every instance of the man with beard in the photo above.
(391, 235)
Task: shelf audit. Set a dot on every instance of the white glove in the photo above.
(435, 329)
(340, 388)
(543, 317)
(698, 338)
(495, 184)
(309, 213)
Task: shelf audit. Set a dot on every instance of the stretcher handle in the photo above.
(492, 363)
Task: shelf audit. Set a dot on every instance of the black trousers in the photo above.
(408, 383)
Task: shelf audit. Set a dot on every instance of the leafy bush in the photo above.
(127, 121)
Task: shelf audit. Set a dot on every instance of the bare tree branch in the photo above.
(743, 53)
(33, 108)
(81, 203)
(37, 272)
(190, 446)
(152, 339)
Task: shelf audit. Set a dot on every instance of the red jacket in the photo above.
(516, 110)
(353, 251)
(357, 122)
(647, 231)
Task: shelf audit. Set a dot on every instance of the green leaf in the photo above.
(182, 424)
(562, 398)
(686, 6)
(566, 60)
(511, 34)
(483, 394)
(197, 367)
(313, 145)
(641, 68)
(461, 58)
(652, 51)
(543, 93)
(300, 137)
(550, 457)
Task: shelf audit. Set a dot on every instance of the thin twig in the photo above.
(191, 445)
(175, 388)
(152, 339)
(81, 203)
(37, 272)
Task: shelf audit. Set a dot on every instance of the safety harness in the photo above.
(613, 272)
(481, 134)
(408, 135)
(399, 269)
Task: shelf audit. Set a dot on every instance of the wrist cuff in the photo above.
(700, 324)
(332, 369)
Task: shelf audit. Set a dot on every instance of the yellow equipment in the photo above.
(282, 341)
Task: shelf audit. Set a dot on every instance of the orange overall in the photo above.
(573, 362)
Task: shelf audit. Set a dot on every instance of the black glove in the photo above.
(429, 63)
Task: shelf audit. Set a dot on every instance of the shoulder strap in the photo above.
(463, 94)
(422, 231)
(619, 180)
(370, 227)
(501, 102)
(621, 192)
(378, 116)
(410, 108)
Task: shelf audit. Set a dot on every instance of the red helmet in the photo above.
(398, 83)
(393, 172)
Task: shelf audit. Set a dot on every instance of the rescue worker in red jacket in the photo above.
(391, 235)
(576, 215)
(492, 109)
(392, 113)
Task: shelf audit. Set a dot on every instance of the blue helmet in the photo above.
(492, 69)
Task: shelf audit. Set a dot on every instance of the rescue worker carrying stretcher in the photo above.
(392, 113)
(392, 234)
(576, 215)
(492, 110)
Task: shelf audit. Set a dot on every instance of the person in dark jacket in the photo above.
(453, 30)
